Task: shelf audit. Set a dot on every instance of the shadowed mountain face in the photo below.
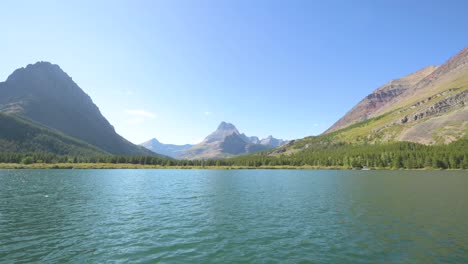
(18, 135)
(171, 150)
(45, 94)
(226, 141)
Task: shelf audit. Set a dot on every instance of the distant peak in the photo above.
(226, 126)
(154, 140)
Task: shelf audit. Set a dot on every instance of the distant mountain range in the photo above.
(45, 94)
(43, 110)
(226, 141)
(171, 150)
(428, 107)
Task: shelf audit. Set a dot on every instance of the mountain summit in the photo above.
(44, 93)
(227, 141)
(226, 127)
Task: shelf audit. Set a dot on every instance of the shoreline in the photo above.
(139, 166)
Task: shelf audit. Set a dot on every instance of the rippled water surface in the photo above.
(256, 216)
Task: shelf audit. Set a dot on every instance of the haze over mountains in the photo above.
(170, 150)
(225, 141)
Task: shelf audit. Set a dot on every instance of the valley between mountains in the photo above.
(42, 110)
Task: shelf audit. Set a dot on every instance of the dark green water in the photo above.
(243, 216)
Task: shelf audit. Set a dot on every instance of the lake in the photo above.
(243, 216)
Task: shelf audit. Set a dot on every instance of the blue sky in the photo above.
(175, 69)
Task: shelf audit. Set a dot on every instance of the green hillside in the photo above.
(19, 135)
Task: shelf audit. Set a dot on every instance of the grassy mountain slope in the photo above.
(19, 135)
(433, 110)
(380, 98)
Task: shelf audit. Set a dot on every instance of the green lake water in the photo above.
(233, 216)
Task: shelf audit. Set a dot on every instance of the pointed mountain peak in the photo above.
(226, 126)
(154, 140)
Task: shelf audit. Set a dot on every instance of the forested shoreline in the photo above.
(398, 155)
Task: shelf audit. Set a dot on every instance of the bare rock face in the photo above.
(443, 106)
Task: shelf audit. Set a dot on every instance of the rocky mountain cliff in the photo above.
(227, 141)
(170, 150)
(44, 93)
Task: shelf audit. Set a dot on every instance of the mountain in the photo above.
(19, 135)
(273, 142)
(380, 98)
(170, 150)
(227, 141)
(44, 93)
(427, 107)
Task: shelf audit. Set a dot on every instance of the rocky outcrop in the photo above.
(443, 106)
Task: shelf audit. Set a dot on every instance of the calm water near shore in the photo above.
(245, 216)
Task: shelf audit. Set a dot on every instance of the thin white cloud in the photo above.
(207, 113)
(196, 141)
(140, 113)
